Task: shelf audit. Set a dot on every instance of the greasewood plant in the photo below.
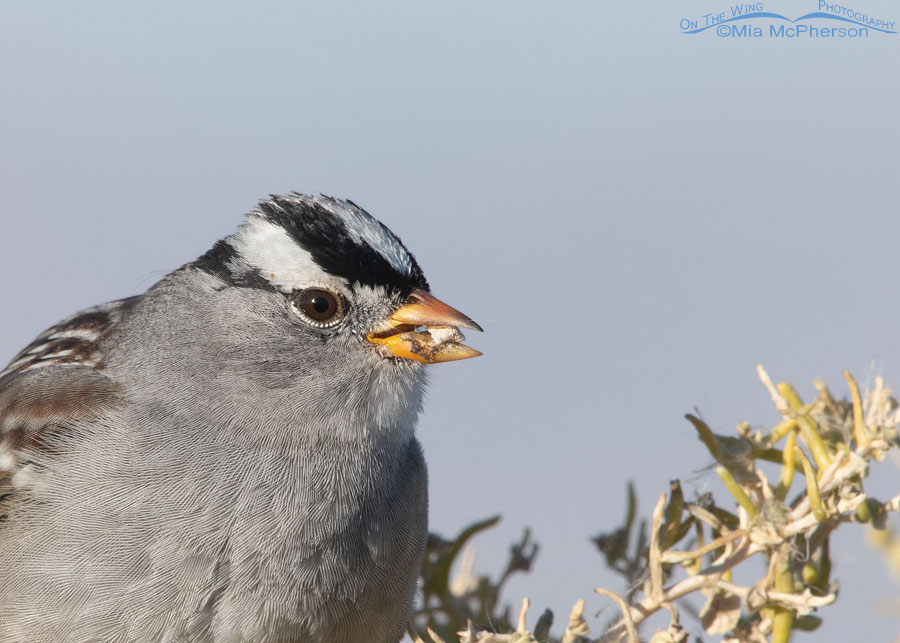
(818, 455)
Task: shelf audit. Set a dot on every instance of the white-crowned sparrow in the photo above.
(231, 455)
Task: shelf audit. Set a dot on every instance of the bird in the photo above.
(231, 455)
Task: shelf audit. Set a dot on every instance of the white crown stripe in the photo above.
(365, 229)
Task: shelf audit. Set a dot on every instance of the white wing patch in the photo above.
(72, 342)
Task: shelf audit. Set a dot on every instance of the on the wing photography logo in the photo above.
(753, 20)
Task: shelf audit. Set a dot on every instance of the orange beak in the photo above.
(441, 340)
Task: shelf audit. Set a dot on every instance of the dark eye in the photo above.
(318, 307)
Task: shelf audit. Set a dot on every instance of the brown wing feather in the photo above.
(54, 382)
(73, 341)
(35, 406)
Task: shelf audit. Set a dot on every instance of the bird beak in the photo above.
(441, 340)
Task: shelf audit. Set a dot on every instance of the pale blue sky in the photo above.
(636, 216)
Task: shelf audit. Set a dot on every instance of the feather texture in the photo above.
(198, 464)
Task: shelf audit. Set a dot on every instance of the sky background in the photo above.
(636, 216)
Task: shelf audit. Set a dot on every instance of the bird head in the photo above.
(347, 285)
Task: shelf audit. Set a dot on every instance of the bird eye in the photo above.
(318, 307)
